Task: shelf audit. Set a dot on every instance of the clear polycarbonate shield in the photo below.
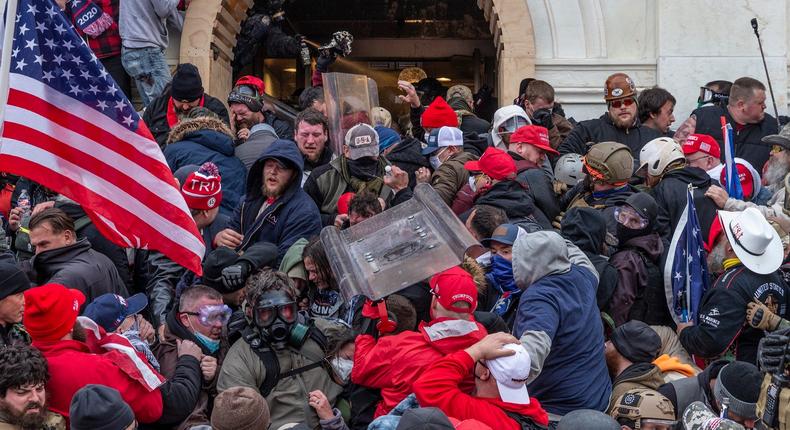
(398, 247)
(349, 99)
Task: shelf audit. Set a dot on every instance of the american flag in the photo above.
(68, 127)
(686, 269)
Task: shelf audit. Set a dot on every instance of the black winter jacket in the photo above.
(670, 195)
(155, 115)
(603, 129)
(604, 201)
(540, 188)
(407, 155)
(746, 141)
(79, 266)
(510, 196)
(586, 228)
(99, 243)
(638, 296)
(685, 391)
(722, 327)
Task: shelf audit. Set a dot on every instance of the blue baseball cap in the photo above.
(505, 234)
(109, 310)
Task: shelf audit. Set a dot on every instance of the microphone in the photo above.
(754, 24)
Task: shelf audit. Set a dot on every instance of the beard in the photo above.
(274, 192)
(182, 114)
(23, 419)
(716, 257)
(623, 122)
(775, 171)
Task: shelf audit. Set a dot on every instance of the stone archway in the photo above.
(211, 27)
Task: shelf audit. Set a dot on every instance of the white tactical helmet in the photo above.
(659, 153)
(569, 169)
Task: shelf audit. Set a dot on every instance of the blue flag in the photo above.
(732, 179)
(686, 271)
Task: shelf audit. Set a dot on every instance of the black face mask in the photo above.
(624, 234)
(364, 168)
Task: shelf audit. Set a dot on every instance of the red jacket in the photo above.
(72, 366)
(438, 386)
(394, 362)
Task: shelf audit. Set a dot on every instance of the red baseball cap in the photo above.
(534, 135)
(252, 81)
(495, 163)
(744, 176)
(50, 311)
(455, 285)
(701, 143)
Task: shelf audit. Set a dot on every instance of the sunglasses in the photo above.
(246, 90)
(776, 149)
(617, 104)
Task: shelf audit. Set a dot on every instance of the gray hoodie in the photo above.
(535, 256)
(143, 23)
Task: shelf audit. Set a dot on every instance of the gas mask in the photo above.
(707, 95)
(275, 315)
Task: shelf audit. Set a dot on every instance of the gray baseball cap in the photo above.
(362, 141)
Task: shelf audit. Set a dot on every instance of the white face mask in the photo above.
(342, 368)
(435, 162)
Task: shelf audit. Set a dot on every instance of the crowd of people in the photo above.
(563, 322)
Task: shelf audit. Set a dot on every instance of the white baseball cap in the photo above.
(443, 137)
(511, 374)
(753, 239)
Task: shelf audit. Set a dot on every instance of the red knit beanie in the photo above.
(439, 114)
(203, 188)
(50, 311)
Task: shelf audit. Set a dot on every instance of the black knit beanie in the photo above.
(187, 85)
(97, 407)
(740, 383)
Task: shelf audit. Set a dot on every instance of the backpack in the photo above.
(650, 305)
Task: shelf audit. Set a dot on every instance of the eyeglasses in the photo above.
(209, 315)
(246, 90)
(629, 217)
(265, 315)
(617, 104)
(776, 149)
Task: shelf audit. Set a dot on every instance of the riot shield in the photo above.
(398, 247)
(349, 99)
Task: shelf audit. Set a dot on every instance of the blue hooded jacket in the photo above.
(196, 141)
(291, 217)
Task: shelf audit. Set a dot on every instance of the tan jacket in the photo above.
(451, 176)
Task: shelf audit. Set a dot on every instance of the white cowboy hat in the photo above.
(753, 239)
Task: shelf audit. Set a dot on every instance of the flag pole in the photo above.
(10, 6)
(689, 316)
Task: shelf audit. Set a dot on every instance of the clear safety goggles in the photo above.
(210, 315)
(627, 216)
(511, 125)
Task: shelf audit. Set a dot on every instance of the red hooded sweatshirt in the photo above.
(394, 362)
(73, 366)
(439, 386)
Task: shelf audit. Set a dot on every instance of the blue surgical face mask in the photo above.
(210, 344)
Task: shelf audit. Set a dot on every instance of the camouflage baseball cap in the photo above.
(698, 416)
(782, 139)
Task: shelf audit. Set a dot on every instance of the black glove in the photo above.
(542, 117)
(771, 350)
(323, 62)
(234, 277)
(558, 109)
